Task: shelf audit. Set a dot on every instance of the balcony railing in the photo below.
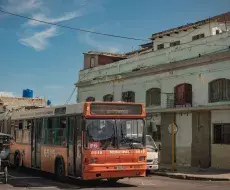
(181, 99)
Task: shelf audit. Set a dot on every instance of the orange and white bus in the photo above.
(90, 140)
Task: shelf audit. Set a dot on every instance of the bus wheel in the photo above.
(59, 169)
(113, 180)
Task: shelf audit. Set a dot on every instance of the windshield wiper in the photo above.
(132, 143)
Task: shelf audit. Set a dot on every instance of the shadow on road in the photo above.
(36, 179)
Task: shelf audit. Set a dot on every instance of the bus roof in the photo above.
(69, 109)
(49, 111)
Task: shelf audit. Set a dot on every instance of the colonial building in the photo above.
(183, 76)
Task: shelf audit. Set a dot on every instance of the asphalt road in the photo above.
(33, 180)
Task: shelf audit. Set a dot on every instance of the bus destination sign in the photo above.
(115, 109)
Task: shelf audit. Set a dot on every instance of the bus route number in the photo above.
(49, 153)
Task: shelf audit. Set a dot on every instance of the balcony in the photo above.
(180, 99)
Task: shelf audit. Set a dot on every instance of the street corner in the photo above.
(183, 176)
(6, 187)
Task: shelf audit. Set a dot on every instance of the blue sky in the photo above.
(47, 58)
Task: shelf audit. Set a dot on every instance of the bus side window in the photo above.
(61, 132)
(26, 131)
(40, 129)
(8, 126)
(18, 131)
(70, 130)
(79, 122)
(12, 130)
(1, 126)
(48, 131)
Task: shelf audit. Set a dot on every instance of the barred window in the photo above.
(153, 97)
(108, 98)
(199, 36)
(221, 134)
(176, 43)
(219, 90)
(90, 99)
(128, 96)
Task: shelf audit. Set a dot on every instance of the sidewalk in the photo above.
(192, 173)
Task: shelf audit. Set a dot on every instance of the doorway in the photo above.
(74, 146)
(36, 139)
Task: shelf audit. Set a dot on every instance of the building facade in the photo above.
(183, 76)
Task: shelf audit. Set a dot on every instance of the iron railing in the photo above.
(181, 99)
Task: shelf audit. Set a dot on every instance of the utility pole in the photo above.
(173, 148)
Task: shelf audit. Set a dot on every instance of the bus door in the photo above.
(36, 138)
(74, 146)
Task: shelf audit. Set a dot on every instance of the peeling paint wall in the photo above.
(221, 156)
(166, 152)
(184, 139)
(186, 36)
(165, 81)
(168, 55)
(220, 153)
(201, 142)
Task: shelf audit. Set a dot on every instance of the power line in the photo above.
(73, 28)
(87, 31)
(67, 101)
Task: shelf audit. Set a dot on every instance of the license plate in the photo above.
(119, 167)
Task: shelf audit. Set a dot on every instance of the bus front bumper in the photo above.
(106, 171)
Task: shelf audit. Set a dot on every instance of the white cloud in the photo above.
(40, 9)
(22, 6)
(39, 40)
(65, 17)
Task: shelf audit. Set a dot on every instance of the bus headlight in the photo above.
(93, 160)
(90, 160)
(142, 158)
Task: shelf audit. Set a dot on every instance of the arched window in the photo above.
(128, 96)
(90, 99)
(108, 98)
(183, 94)
(219, 90)
(153, 97)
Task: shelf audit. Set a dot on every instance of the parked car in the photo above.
(152, 154)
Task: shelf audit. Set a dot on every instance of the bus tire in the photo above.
(113, 180)
(59, 168)
(17, 159)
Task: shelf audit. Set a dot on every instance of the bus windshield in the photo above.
(130, 133)
(108, 134)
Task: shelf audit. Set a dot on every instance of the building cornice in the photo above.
(193, 62)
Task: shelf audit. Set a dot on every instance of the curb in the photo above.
(187, 177)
